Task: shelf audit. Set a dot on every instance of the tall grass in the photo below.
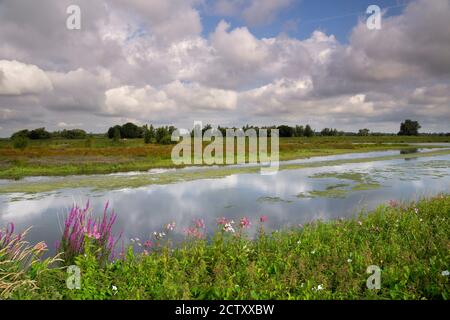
(17, 260)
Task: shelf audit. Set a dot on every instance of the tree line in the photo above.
(162, 135)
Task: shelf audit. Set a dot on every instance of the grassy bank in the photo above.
(59, 157)
(408, 242)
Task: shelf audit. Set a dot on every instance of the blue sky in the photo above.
(302, 17)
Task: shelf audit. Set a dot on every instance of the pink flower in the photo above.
(263, 219)
(222, 221)
(245, 222)
(148, 244)
(194, 232)
(199, 223)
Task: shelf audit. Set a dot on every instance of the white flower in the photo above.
(319, 287)
(298, 242)
(349, 260)
(114, 289)
(313, 252)
(445, 273)
(228, 227)
(416, 210)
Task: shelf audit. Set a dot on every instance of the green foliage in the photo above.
(20, 142)
(363, 132)
(409, 128)
(409, 242)
(131, 131)
(72, 134)
(89, 142)
(329, 132)
(21, 133)
(116, 134)
(38, 134)
(285, 131)
(308, 131)
(149, 134)
(163, 135)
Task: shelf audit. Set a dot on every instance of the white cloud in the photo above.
(149, 61)
(18, 78)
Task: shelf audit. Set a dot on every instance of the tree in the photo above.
(285, 131)
(38, 134)
(112, 131)
(116, 134)
(299, 131)
(329, 132)
(409, 128)
(149, 134)
(73, 134)
(131, 131)
(308, 131)
(363, 132)
(21, 133)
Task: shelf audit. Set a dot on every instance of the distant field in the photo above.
(67, 157)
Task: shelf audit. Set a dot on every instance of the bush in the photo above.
(20, 142)
(88, 143)
(73, 134)
(167, 139)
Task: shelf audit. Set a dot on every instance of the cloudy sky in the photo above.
(227, 62)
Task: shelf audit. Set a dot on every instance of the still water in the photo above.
(288, 198)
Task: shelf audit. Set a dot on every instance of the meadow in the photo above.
(97, 155)
(409, 242)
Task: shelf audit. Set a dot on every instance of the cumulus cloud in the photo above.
(150, 62)
(18, 78)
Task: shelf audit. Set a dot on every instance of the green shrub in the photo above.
(20, 142)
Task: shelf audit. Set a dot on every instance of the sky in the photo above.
(224, 62)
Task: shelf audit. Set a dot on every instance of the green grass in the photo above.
(60, 157)
(409, 242)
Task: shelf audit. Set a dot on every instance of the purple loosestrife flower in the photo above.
(263, 219)
(80, 226)
(245, 223)
(222, 221)
(199, 223)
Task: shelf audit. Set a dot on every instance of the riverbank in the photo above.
(59, 157)
(409, 242)
(111, 182)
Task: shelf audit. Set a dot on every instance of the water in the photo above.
(289, 198)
